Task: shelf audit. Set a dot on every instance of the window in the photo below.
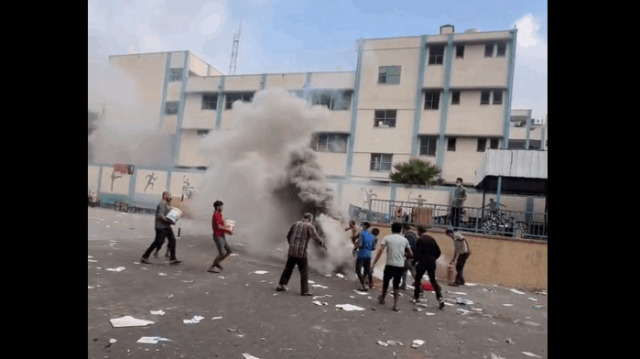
(522, 144)
(455, 97)
(203, 132)
(459, 51)
(330, 142)
(482, 144)
(384, 118)
(209, 102)
(497, 97)
(235, 96)
(494, 143)
(335, 100)
(171, 107)
(389, 75)
(175, 74)
(484, 97)
(381, 162)
(431, 99)
(436, 54)
(451, 144)
(428, 145)
(488, 50)
(502, 49)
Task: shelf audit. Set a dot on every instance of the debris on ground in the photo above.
(129, 321)
(509, 341)
(317, 302)
(517, 291)
(195, 320)
(417, 343)
(157, 312)
(119, 269)
(249, 356)
(531, 355)
(349, 307)
(319, 286)
(216, 318)
(152, 340)
(261, 272)
(508, 305)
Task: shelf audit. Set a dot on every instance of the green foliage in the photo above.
(416, 172)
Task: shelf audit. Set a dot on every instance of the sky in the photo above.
(284, 36)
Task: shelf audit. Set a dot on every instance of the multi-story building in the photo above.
(445, 98)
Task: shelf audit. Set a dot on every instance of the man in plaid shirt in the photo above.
(298, 237)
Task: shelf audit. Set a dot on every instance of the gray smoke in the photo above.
(267, 176)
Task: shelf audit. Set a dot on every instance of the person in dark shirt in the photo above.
(427, 252)
(163, 230)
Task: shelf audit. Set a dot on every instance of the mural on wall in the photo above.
(117, 178)
(368, 196)
(186, 184)
(150, 182)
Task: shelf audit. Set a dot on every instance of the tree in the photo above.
(416, 172)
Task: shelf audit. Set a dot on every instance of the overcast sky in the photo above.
(312, 35)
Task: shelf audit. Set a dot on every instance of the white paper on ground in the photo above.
(157, 312)
(429, 313)
(162, 274)
(111, 341)
(531, 355)
(339, 275)
(216, 318)
(494, 356)
(508, 305)
(417, 343)
(470, 284)
(152, 340)
(533, 299)
(261, 272)
(361, 293)
(195, 320)
(459, 293)
(384, 344)
(319, 286)
(92, 260)
(119, 269)
(129, 321)
(91, 287)
(349, 307)
(517, 291)
(249, 356)
(310, 282)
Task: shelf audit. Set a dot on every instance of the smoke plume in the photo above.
(268, 177)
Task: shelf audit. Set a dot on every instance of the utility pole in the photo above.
(234, 51)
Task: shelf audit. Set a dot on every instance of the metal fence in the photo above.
(473, 219)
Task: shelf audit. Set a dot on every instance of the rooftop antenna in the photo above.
(234, 51)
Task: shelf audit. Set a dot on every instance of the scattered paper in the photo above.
(508, 305)
(429, 313)
(531, 355)
(317, 302)
(261, 272)
(458, 293)
(533, 299)
(319, 286)
(384, 344)
(360, 292)
(157, 312)
(494, 356)
(463, 311)
(152, 340)
(91, 287)
(339, 275)
(517, 291)
(111, 341)
(129, 321)
(119, 269)
(233, 254)
(533, 324)
(90, 256)
(349, 307)
(328, 275)
(187, 281)
(195, 320)
(471, 284)
(417, 343)
(249, 356)
(537, 306)
(216, 318)
(92, 260)
(162, 274)
(463, 301)
(310, 281)
(394, 342)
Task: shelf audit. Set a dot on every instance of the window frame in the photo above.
(436, 58)
(372, 163)
(388, 76)
(493, 95)
(204, 101)
(242, 96)
(430, 146)
(501, 49)
(455, 97)
(491, 143)
(460, 53)
(327, 138)
(488, 97)
(429, 99)
(451, 144)
(386, 117)
(169, 106)
(487, 46)
(175, 74)
(482, 148)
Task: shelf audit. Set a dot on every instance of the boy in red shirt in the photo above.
(219, 231)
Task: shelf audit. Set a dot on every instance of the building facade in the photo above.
(445, 98)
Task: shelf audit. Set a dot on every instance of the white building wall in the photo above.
(286, 81)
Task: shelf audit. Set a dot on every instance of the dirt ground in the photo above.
(244, 317)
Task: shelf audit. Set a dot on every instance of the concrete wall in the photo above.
(493, 260)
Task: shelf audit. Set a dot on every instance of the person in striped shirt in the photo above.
(300, 233)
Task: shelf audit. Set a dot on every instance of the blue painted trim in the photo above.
(529, 208)
(220, 105)
(132, 184)
(445, 102)
(306, 95)
(263, 82)
(508, 92)
(354, 109)
(168, 184)
(392, 195)
(99, 181)
(418, 103)
(163, 100)
(181, 106)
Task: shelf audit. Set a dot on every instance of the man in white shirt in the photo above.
(397, 247)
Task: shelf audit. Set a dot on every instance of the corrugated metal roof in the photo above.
(513, 163)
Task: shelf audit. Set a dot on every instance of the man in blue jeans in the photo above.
(365, 244)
